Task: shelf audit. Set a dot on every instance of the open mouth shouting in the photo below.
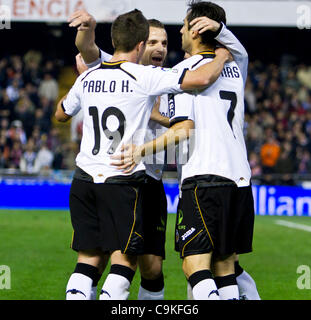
(157, 60)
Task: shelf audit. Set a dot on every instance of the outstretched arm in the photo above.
(85, 38)
(207, 74)
(131, 154)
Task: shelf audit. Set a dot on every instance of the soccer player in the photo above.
(116, 98)
(217, 213)
(155, 212)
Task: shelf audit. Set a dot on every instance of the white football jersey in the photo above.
(155, 163)
(103, 57)
(218, 145)
(116, 100)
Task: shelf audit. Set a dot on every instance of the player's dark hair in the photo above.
(156, 23)
(206, 9)
(128, 30)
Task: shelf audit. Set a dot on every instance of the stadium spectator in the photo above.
(12, 91)
(16, 132)
(254, 162)
(269, 152)
(4, 151)
(28, 159)
(48, 88)
(15, 155)
(44, 160)
(6, 107)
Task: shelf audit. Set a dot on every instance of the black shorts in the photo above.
(218, 218)
(178, 216)
(154, 207)
(106, 216)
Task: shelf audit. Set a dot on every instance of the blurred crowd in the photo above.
(28, 92)
(277, 118)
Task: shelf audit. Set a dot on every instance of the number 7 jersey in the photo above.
(116, 99)
(217, 146)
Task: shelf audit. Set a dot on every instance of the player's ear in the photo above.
(194, 34)
(141, 46)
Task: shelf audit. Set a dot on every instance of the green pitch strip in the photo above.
(35, 246)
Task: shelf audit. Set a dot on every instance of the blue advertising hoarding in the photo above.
(33, 194)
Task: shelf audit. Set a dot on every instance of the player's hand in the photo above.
(202, 24)
(80, 64)
(83, 20)
(128, 159)
(222, 51)
(155, 113)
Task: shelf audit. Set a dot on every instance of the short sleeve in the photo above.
(103, 56)
(180, 107)
(156, 81)
(72, 104)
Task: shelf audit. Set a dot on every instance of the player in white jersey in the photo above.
(154, 198)
(217, 216)
(116, 99)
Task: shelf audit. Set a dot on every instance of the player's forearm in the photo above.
(206, 75)
(85, 43)
(177, 133)
(60, 115)
(163, 121)
(231, 42)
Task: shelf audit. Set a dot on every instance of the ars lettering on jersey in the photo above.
(230, 72)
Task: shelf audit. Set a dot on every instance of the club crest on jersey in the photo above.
(166, 69)
(171, 105)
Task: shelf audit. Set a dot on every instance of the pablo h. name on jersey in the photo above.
(111, 86)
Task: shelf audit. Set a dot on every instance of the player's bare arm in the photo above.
(207, 74)
(60, 115)
(157, 116)
(131, 154)
(80, 64)
(85, 38)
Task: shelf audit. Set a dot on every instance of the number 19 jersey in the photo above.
(116, 100)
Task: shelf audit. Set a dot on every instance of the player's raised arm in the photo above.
(239, 53)
(226, 38)
(85, 38)
(207, 74)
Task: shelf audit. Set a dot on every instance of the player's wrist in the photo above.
(218, 30)
(223, 55)
(138, 154)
